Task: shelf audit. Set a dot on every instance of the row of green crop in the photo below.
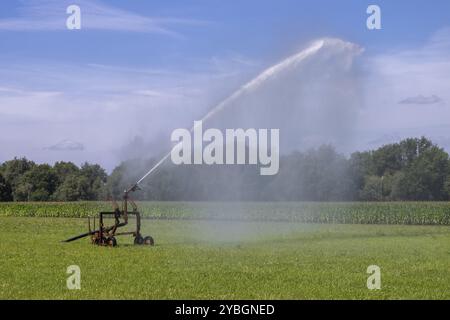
(420, 213)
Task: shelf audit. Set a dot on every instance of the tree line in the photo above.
(413, 169)
(24, 180)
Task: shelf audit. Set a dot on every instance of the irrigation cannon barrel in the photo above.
(81, 236)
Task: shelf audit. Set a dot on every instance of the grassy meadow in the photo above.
(236, 259)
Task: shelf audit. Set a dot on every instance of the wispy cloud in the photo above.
(420, 99)
(402, 78)
(50, 15)
(66, 145)
(10, 91)
(100, 106)
(407, 93)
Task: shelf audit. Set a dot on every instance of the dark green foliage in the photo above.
(23, 180)
(65, 169)
(5, 190)
(13, 170)
(36, 184)
(413, 169)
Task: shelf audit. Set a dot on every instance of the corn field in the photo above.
(410, 213)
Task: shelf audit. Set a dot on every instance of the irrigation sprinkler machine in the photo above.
(106, 235)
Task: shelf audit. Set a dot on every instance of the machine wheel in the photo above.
(149, 241)
(138, 240)
(99, 241)
(112, 242)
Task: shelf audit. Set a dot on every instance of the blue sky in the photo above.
(142, 60)
(254, 28)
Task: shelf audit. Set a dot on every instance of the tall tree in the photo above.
(5, 190)
(37, 184)
(14, 169)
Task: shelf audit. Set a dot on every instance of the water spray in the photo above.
(249, 86)
(106, 235)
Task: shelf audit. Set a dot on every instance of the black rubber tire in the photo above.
(112, 242)
(149, 241)
(138, 240)
(100, 242)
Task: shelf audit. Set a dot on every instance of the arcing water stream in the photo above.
(334, 45)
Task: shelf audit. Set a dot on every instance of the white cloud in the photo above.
(398, 86)
(420, 99)
(15, 92)
(99, 106)
(66, 145)
(50, 15)
(149, 93)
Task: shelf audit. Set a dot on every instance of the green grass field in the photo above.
(195, 259)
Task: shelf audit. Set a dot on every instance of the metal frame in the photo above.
(106, 236)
